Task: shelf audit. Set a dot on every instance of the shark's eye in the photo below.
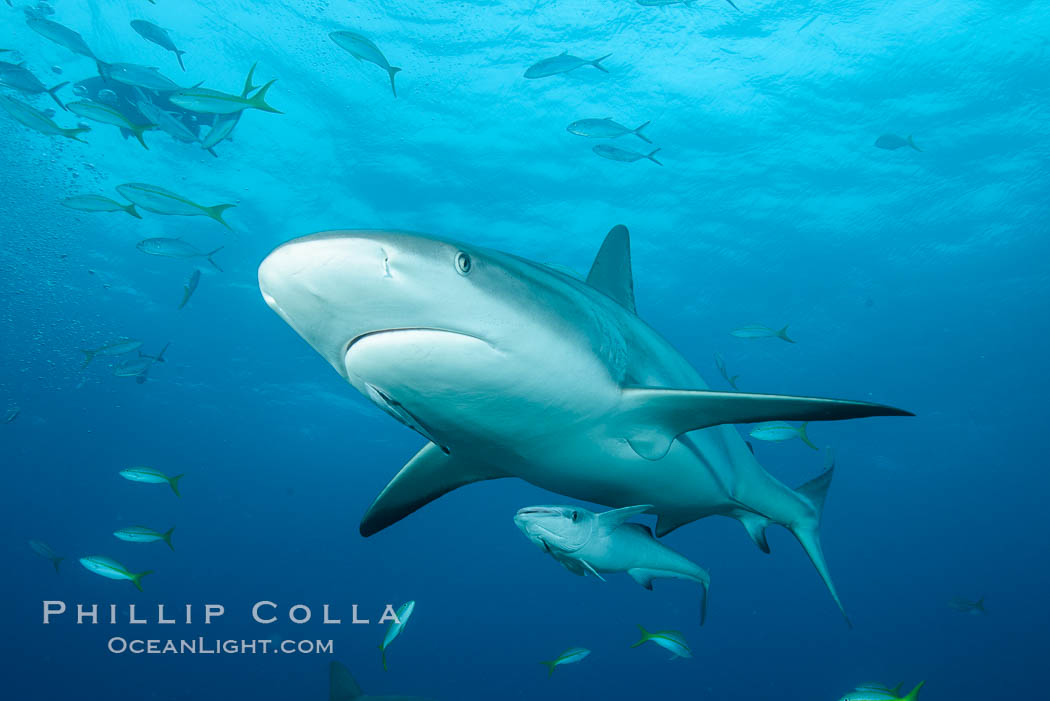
(463, 263)
(575, 515)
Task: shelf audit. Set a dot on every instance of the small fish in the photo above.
(141, 534)
(11, 414)
(45, 551)
(98, 203)
(160, 201)
(759, 331)
(967, 606)
(136, 76)
(875, 693)
(105, 114)
(363, 49)
(157, 35)
(403, 614)
(562, 63)
(37, 120)
(207, 101)
(63, 36)
(167, 123)
(111, 569)
(670, 640)
(149, 475)
(189, 288)
(777, 431)
(20, 78)
(623, 155)
(222, 127)
(573, 654)
(176, 248)
(892, 142)
(720, 363)
(139, 367)
(605, 129)
(119, 347)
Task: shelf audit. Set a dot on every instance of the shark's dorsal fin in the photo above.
(427, 476)
(341, 684)
(611, 520)
(611, 271)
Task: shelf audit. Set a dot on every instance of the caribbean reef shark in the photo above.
(510, 368)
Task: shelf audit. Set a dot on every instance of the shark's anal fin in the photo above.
(652, 418)
(427, 476)
(611, 271)
(341, 684)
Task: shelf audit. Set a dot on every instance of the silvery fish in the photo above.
(670, 640)
(605, 129)
(20, 78)
(63, 36)
(363, 49)
(573, 654)
(623, 155)
(189, 288)
(207, 101)
(141, 534)
(44, 550)
(105, 114)
(176, 248)
(892, 142)
(170, 125)
(562, 63)
(11, 414)
(759, 331)
(98, 203)
(146, 77)
(149, 475)
(37, 120)
(777, 431)
(403, 614)
(222, 127)
(111, 569)
(879, 693)
(967, 606)
(120, 347)
(720, 363)
(160, 201)
(159, 36)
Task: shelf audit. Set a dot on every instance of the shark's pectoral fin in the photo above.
(591, 569)
(427, 476)
(652, 418)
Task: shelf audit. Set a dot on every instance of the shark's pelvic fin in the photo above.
(611, 270)
(756, 528)
(427, 476)
(808, 531)
(611, 520)
(652, 417)
(341, 684)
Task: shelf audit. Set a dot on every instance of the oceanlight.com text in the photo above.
(215, 646)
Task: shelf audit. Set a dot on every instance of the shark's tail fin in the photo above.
(341, 684)
(808, 530)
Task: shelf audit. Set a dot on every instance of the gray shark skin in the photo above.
(584, 541)
(514, 369)
(343, 687)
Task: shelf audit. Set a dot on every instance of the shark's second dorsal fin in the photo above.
(611, 271)
(341, 684)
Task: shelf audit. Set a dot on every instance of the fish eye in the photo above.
(463, 263)
(575, 515)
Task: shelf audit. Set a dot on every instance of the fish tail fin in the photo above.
(216, 213)
(258, 100)
(214, 155)
(653, 153)
(54, 97)
(705, 581)
(782, 334)
(167, 537)
(755, 525)
(597, 63)
(645, 635)
(383, 652)
(551, 664)
(178, 57)
(914, 693)
(805, 436)
(74, 132)
(130, 209)
(88, 357)
(979, 605)
(138, 130)
(209, 254)
(56, 561)
(393, 70)
(136, 579)
(807, 530)
(638, 132)
(732, 381)
(174, 482)
(911, 142)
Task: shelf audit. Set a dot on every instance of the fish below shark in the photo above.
(510, 368)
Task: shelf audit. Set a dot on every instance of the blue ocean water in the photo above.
(914, 278)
